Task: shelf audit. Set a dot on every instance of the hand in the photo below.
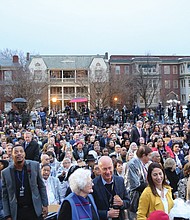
(117, 201)
(44, 211)
(9, 218)
(113, 213)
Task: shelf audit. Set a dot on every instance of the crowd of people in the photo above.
(132, 166)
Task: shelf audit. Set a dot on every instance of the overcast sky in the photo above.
(118, 27)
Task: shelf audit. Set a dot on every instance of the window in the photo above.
(166, 69)
(56, 90)
(175, 84)
(182, 68)
(37, 74)
(167, 84)
(7, 106)
(126, 69)
(182, 83)
(7, 75)
(98, 74)
(174, 69)
(117, 69)
(183, 98)
(188, 67)
(68, 74)
(82, 89)
(141, 100)
(69, 90)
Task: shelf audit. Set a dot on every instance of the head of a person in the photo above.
(45, 159)
(96, 170)
(139, 124)
(160, 142)
(5, 156)
(51, 156)
(118, 166)
(9, 148)
(45, 171)
(66, 163)
(176, 147)
(133, 147)
(28, 136)
(123, 152)
(141, 140)
(50, 148)
(170, 164)
(111, 144)
(127, 142)
(3, 164)
(18, 154)
(129, 155)
(156, 177)
(51, 140)
(97, 146)
(186, 169)
(79, 145)
(174, 135)
(106, 168)
(118, 148)
(81, 186)
(155, 156)
(143, 153)
(105, 151)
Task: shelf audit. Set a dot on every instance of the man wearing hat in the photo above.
(90, 160)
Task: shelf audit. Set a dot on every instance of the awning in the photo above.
(79, 99)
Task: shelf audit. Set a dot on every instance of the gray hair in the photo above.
(169, 163)
(153, 154)
(79, 179)
(67, 160)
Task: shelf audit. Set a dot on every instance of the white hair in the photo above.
(78, 180)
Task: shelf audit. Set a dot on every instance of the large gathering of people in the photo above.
(100, 165)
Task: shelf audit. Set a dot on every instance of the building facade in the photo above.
(8, 68)
(69, 77)
(170, 73)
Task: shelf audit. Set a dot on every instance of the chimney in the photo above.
(106, 55)
(27, 56)
(15, 59)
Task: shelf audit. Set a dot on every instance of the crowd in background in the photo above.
(64, 142)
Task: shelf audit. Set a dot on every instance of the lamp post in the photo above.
(54, 100)
(115, 101)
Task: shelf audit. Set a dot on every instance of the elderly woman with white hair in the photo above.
(80, 203)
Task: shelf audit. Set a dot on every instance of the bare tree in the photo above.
(146, 81)
(21, 82)
(121, 86)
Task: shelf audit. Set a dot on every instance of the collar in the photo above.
(104, 182)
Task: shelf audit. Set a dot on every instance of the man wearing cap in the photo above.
(24, 192)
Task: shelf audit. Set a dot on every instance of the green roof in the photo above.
(68, 62)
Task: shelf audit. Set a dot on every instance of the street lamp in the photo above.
(115, 100)
(54, 100)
